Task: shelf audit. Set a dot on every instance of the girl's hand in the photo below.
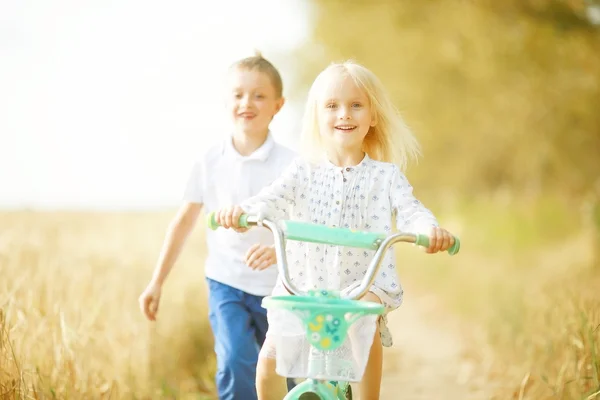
(228, 217)
(260, 257)
(439, 240)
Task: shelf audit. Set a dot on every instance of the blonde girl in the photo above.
(356, 146)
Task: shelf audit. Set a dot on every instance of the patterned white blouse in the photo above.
(364, 197)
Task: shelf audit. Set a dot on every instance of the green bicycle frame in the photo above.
(327, 315)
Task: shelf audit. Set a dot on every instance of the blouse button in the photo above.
(348, 169)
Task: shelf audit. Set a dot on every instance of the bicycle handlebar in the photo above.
(314, 233)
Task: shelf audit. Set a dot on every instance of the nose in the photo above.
(245, 100)
(344, 113)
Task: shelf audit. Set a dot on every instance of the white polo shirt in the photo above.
(222, 177)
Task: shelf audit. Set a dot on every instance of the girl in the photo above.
(354, 139)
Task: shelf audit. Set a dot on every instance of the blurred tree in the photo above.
(504, 95)
(500, 86)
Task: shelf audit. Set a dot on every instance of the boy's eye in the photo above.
(331, 105)
(356, 105)
(259, 96)
(237, 95)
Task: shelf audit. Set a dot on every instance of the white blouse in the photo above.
(364, 197)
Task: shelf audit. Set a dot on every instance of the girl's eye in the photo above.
(331, 105)
(237, 95)
(356, 105)
(259, 96)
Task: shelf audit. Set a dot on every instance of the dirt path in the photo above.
(426, 361)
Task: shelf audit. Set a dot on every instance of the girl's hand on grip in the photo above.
(228, 217)
(439, 240)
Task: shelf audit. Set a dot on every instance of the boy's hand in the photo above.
(260, 257)
(228, 217)
(439, 240)
(149, 300)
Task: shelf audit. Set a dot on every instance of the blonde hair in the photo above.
(258, 63)
(390, 140)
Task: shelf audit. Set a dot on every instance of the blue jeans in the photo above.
(239, 324)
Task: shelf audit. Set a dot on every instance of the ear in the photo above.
(373, 119)
(279, 104)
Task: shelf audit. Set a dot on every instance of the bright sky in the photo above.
(104, 104)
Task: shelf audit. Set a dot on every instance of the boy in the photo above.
(239, 268)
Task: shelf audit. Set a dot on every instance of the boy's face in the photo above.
(252, 101)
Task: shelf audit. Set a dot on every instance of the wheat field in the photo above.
(525, 287)
(70, 326)
(69, 318)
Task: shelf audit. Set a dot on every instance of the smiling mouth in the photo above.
(246, 115)
(345, 128)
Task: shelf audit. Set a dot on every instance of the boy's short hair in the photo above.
(259, 63)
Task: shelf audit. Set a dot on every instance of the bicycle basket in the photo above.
(321, 338)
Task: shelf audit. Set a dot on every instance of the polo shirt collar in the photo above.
(260, 154)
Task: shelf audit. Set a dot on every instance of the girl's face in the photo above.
(344, 113)
(252, 101)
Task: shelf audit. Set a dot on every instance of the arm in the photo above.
(411, 214)
(274, 201)
(177, 233)
(182, 224)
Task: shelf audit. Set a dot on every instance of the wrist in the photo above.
(157, 281)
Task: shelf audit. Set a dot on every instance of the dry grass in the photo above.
(69, 319)
(71, 328)
(527, 291)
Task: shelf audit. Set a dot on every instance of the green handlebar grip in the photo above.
(308, 232)
(213, 225)
(423, 240)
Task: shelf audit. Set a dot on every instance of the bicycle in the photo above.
(326, 315)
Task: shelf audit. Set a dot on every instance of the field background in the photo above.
(526, 309)
(505, 99)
